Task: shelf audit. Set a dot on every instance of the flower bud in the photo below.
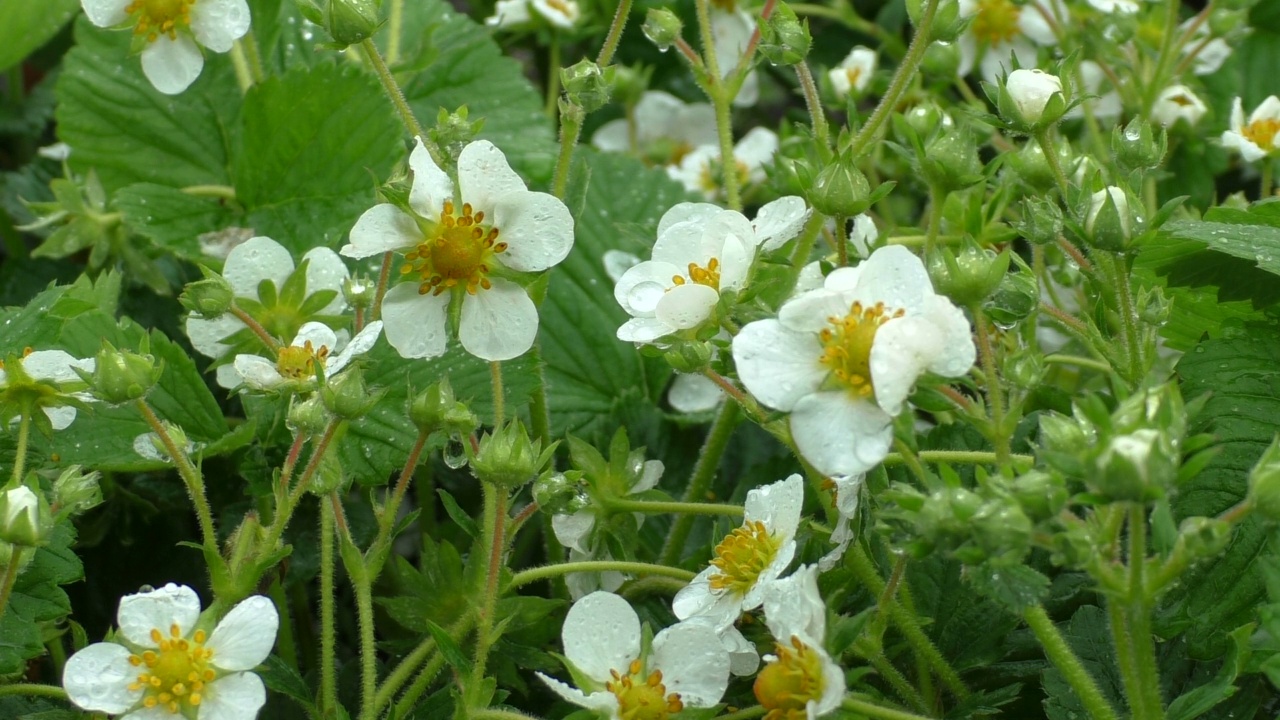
(1042, 495)
(328, 476)
(950, 161)
(1136, 148)
(969, 276)
(508, 458)
(1001, 528)
(1108, 224)
(1017, 295)
(924, 119)
(627, 84)
(1175, 103)
(585, 85)
(1264, 483)
(1031, 100)
(1040, 221)
(941, 60)
(561, 493)
(351, 21)
(1202, 537)
(76, 491)
(1033, 168)
(122, 376)
(454, 131)
(309, 417)
(784, 39)
(1024, 368)
(944, 517)
(436, 409)
(1136, 467)
(689, 357)
(359, 292)
(1224, 21)
(840, 189)
(24, 517)
(947, 23)
(662, 27)
(347, 396)
(209, 298)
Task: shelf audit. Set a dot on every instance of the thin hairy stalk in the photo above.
(817, 118)
(495, 523)
(1068, 663)
(620, 15)
(384, 279)
(704, 472)
(898, 682)
(499, 395)
(658, 507)
(1144, 650)
(389, 512)
(51, 692)
(393, 91)
(546, 572)
(272, 344)
(414, 660)
(188, 472)
(10, 577)
(24, 440)
(571, 117)
(871, 710)
(994, 390)
(328, 630)
(901, 81)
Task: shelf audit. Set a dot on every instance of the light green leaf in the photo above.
(171, 218)
(118, 124)
(37, 598)
(28, 25)
(1194, 703)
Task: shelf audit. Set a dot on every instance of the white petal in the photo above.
(172, 65)
(693, 663)
(159, 609)
(840, 435)
(833, 686)
(234, 697)
(145, 445)
(717, 608)
(571, 529)
(98, 677)
(60, 418)
(326, 271)
(694, 393)
(244, 638)
(864, 234)
(901, 351)
(695, 123)
(650, 473)
(769, 575)
(484, 176)
(563, 14)
(1032, 23)
(778, 366)
(509, 13)
(536, 227)
(431, 185)
(811, 312)
(105, 13)
(656, 115)
(809, 279)
(227, 377)
(686, 306)
(55, 366)
(777, 505)
(613, 136)
(643, 330)
(382, 228)
(206, 335)
(500, 323)
(1211, 57)
(415, 324)
(158, 712)
(258, 372)
(736, 256)
(217, 24)
(744, 659)
(780, 220)
(687, 212)
(256, 259)
(958, 351)
(896, 277)
(642, 286)
(617, 263)
(601, 633)
(316, 333)
(605, 701)
(756, 147)
(362, 343)
(1268, 109)
(794, 607)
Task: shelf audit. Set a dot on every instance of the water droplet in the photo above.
(644, 296)
(455, 454)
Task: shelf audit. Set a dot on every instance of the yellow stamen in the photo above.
(846, 345)
(709, 275)
(996, 21)
(298, 362)
(642, 697)
(742, 556)
(786, 686)
(173, 676)
(459, 252)
(160, 17)
(1262, 133)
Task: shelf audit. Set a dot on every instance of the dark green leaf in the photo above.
(28, 25)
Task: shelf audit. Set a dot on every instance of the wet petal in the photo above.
(326, 271)
(643, 286)
(500, 323)
(105, 13)
(244, 638)
(693, 663)
(694, 393)
(233, 697)
(172, 64)
(217, 24)
(484, 176)
(601, 633)
(98, 677)
(686, 306)
(415, 324)
(780, 220)
(382, 228)
(537, 229)
(779, 366)
(841, 435)
(159, 609)
(777, 505)
(431, 185)
(900, 353)
(256, 259)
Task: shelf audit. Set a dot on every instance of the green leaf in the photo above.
(597, 381)
(118, 124)
(1242, 255)
(450, 649)
(1013, 587)
(457, 514)
(28, 25)
(37, 598)
(313, 144)
(1243, 412)
(280, 678)
(1194, 703)
(459, 64)
(171, 218)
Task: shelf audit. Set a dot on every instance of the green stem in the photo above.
(841, 240)
(270, 342)
(328, 631)
(419, 685)
(721, 102)
(286, 646)
(657, 507)
(10, 577)
(620, 15)
(1128, 319)
(24, 438)
(1156, 82)
(1051, 156)
(704, 472)
(1267, 168)
(395, 23)
(1067, 663)
(571, 117)
(52, 692)
(553, 76)
(222, 192)
(816, 116)
(239, 61)
(384, 279)
(966, 457)
(1124, 658)
(389, 512)
(936, 206)
(872, 710)
(411, 662)
(1078, 361)
(1144, 650)
(804, 248)
(497, 714)
(285, 511)
(995, 394)
(495, 522)
(901, 80)
(188, 472)
(898, 682)
(368, 646)
(532, 575)
(499, 395)
(754, 711)
(254, 57)
(393, 91)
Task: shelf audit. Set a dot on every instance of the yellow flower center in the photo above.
(742, 556)
(996, 21)
(785, 686)
(160, 17)
(564, 8)
(709, 275)
(460, 253)
(711, 174)
(1262, 133)
(846, 345)
(641, 697)
(25, 352)
(297, 362)
(173, 676)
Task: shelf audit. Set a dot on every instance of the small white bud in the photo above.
(1031, 91)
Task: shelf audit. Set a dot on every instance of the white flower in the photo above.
(1002, 30)
(848, 491)
(697, 169)
(731, 32)
(693, 393)
(1210, 53)
(854, 72)
(514, 13)
(295, 363)
(748, 559)
(801, 680)
(842, 360)
(1257, 138)
(581, 584)
(58, 368)
(664, 129)
(1031, 91)
(21, 506)
(618, 262)
(1123, 7)
(1098, 201)
(686, 667)
(248, 265)
(57, 151)
(171, 58)
(572, 531)
(162, 666)
(1177, 102)
(452, 244)
(1105, 106)
(701, 252)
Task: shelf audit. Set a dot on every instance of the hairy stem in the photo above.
(704, 472)
(1067, 663)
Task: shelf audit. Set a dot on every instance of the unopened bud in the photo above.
(209, 298)
(1224, 21)
(508, 458)
(1264, 483)
(348, 397)
(1041, 494)
(947, 23)
(941, 60)
(627, 84)
(76, 491)
(350, 22)
(970, 275)
(309, 417)
(840, 189)
(436, 408)
(1001, 528)
(454, 131)
(1031, 100)
(1108, 224)
(784, 39)
(585, 85)
(1202, 537)
(561, 493)
(1136, 148)
(24, 517)
(1032, 166)
(662, 27)
(359, 292)
(950, 161)
(1040, 221)
(122, 376)
(1016, 297)
(689, 357)
(1136, 467)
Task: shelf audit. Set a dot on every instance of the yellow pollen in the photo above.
(785, 686)
(160, 17)
(853, 74)
(846, 345)
(460, 253)
(642, 697)
(297, 362)
(174, 675)
(710, 178)
(996, 21)
(709, 275)
(1262, 133)
(742, 556)
(563, 8)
